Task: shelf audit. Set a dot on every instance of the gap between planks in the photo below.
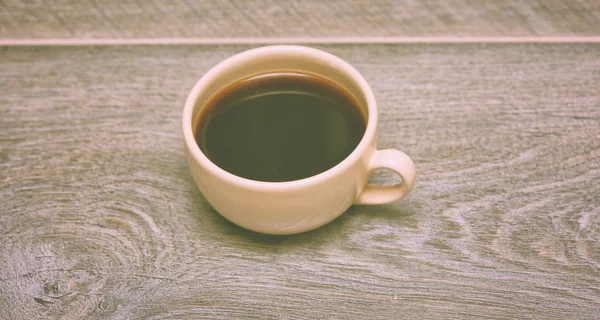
(292, 40)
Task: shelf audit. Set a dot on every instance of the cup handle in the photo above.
(396, 161)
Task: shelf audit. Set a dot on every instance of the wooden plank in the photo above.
(296, 18)
(100, 219)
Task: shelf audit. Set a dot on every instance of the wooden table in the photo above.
(100, 219)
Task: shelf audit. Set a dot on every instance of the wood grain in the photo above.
(99, 218)
(296, 18)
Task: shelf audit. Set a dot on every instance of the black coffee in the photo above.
(280, 126)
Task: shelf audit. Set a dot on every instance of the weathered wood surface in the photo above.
(99, 218)
(296, 18)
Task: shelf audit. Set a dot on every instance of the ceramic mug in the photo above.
(300, 205)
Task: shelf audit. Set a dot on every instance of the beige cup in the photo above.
(301, 205)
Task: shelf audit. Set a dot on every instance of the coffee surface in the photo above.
(279, 127)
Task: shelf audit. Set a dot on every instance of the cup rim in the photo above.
(215, 72)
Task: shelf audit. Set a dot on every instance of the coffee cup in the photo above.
(289, 207)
